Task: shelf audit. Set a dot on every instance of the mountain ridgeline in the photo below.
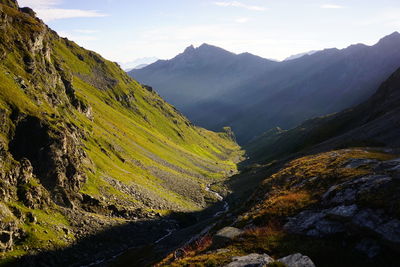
(216, 88)
(372, 123)
(84, 147)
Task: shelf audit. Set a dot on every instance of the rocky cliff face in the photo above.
(83, 147)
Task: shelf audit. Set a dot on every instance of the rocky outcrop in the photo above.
(228, 131)
(251, 260)
(346, 209)
(10, 3)
(225, 235)
(9, 230)
(54, 157)
(262, 260)
(297, 260)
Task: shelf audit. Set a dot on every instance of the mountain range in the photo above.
(216, 88)
(373, 123)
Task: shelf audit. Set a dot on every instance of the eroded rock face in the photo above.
(9, 232)
(54, 157)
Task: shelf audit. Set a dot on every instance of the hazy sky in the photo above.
(123, 30)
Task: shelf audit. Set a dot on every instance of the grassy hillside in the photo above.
(77, 136)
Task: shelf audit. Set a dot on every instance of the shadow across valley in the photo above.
(147, 241)
(136, 243)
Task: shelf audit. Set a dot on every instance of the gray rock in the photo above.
(391, 165)
(356, 163)
(349, 191)
(390, 231)
(251, 260)
(321, 223)
(343, 212)
(369, 247)
(378, 224)
(225, 235)
(327, 227)
(304, 221)
(297, 260)
(367, 219)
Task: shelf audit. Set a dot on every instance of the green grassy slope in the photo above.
(138, 151)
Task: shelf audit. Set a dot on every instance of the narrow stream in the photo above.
(219, 213)
(220, 198)
(174, 227)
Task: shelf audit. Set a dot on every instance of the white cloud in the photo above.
(86, 31)
(58, 13)
(240, 4)
(332, 6)
(39, 3)
(47, 10)
(242, 20)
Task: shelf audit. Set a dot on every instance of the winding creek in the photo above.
(174, 227)
(220, 198)
(224, 210)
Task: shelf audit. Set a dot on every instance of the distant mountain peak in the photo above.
(204, 50)
(189, 49)
(205, 45)
(393, 37)
(296, 56)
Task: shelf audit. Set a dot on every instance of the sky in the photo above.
(125, 30)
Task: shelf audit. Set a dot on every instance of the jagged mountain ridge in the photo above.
(83, 147)
(199, 74)
(256, 101)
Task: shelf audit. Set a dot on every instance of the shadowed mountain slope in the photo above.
(375, 122)
(253, 95)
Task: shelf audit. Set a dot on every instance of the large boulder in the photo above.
(313, 223)
(225, 235)
(297, 260)
(251, 260)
